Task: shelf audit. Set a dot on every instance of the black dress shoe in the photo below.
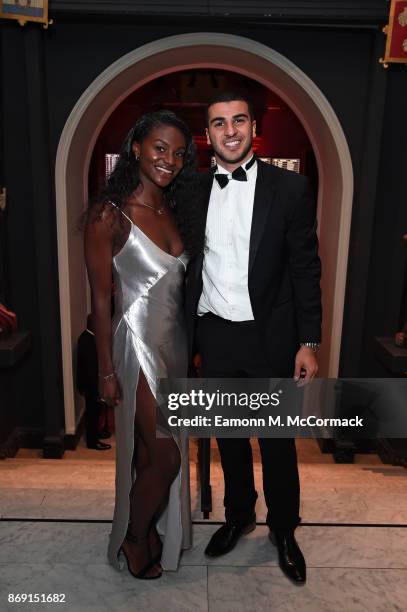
(290, 557)
(225, 538)
(100, 446)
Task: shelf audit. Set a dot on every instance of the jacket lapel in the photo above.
(263, 197)
(207, 182)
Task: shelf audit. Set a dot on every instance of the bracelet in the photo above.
(314, 346)
(108, 376)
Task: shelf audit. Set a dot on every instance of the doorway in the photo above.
(213, 53)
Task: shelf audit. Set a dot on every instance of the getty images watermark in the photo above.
(253, 401)
(326, 408)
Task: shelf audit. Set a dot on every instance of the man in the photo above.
(87, 383)
(257, 296)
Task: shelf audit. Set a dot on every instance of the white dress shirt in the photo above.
(225, 270)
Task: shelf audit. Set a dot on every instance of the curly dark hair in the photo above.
(182, 195)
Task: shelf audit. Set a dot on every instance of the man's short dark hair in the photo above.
(229, 96)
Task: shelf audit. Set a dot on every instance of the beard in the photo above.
(235, 160)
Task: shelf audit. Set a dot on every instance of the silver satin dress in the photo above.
(148, 333)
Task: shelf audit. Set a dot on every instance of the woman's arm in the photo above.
(99, 240)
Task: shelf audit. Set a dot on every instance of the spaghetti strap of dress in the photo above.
(120, 210)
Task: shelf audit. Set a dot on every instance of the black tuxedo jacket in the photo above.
(284, 267)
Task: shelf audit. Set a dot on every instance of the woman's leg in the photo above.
(157, 471)
(141, 463)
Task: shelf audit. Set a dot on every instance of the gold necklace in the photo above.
(159, 211)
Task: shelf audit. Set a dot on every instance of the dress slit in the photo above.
(176, 539)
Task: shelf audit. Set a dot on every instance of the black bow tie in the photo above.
(238, 175)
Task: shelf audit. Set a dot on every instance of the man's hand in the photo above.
(306, 366)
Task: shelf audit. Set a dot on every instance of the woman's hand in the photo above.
(110, 392)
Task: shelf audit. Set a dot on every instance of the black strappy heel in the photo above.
(141, 575)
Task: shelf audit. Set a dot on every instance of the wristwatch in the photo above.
(312, 345)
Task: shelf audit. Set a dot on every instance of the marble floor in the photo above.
(55, 522)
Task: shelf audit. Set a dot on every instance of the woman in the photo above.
(142, 230)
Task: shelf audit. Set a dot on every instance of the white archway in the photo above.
(192, 51)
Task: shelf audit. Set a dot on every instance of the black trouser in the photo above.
(92, 415)
(233, 350)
